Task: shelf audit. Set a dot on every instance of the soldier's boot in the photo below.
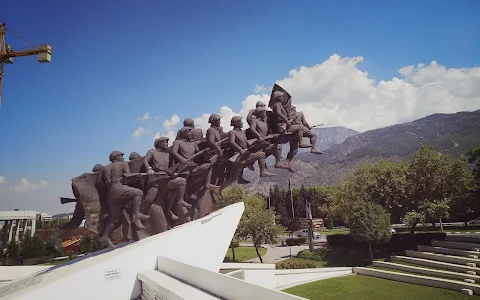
(138, 217)
(54, 240)
(263, 172)
(313, 141)
(104, 240)
(279, 165)
(243, 181)
(302, 145)
(171, 216)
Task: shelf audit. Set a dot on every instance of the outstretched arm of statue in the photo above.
(233, 143)
(178, 157)
(278, 111)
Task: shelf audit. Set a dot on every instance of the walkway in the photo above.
(276, 254)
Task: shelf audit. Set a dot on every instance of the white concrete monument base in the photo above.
(177, 264)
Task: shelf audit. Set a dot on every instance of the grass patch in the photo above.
(244, 253)
(358, 287)
(335, 231)
(55, 262)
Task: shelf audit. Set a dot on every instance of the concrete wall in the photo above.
(220, 285)
(112, 274)
(289, 278)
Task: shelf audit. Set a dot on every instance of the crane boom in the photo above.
(7, 55)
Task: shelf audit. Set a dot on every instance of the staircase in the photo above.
(451, 264)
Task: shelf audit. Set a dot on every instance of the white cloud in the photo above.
(24, 186)
(145, 117)
(259, 88)
(2, 179)
(138, 132)
(170, 125)
(337, 93)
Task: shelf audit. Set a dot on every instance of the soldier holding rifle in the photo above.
(157, 162)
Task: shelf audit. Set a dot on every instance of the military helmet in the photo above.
(214, 117)
(97, 167)
(114, 154)
(234, 120)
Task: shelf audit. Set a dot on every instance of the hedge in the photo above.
(295, 264)
(398, 243)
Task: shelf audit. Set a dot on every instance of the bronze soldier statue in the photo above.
(213, 136)
(134, 155)
(259, 129)
(184, 150)
(118, 195)
(247, 156)
(251, 113)
(158, 160)
(197, 133)
(78, 216)
(303, 129)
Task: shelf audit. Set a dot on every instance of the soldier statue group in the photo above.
(173, 185)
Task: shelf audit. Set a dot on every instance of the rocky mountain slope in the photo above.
(451, 134)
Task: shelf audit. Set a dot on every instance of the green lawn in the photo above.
(244, 253)
(357, 287)
(334, 231)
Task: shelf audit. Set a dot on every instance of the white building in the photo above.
(43, 216)
(17, 222)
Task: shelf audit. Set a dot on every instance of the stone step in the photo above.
(436, 264)
(429, 272)
(444, 258)
(158, 285)
(457, 245)
(463, 238)
(463, 287)
(449, 251)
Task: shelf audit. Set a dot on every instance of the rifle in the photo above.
(64, 200)
(132, 177)
(251, 144)
(317, 125)
(174, 168)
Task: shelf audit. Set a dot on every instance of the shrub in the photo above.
(329, 223)
(295, 264)
(234, 244)
(296, 241)
(316, 255)
(398, 243)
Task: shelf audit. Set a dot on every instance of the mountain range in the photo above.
(344, 148)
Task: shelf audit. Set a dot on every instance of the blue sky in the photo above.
(115, 61)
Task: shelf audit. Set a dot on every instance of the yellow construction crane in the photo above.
(7, 55)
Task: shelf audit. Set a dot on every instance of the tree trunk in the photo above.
(370, 250)
(466, 223)
(441, 225)
(258, 254)
(233, 253)
(412, 230)
(433, 224)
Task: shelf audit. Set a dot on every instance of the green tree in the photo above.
(232, 195)
(28, 247)
(259, 223)
(432, 178)
(438, 210)
(474, 158)
(369, 223)
(13, 249)
(88, 244)
(384, 182)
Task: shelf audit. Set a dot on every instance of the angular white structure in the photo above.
(176, 264)
(16, 223)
